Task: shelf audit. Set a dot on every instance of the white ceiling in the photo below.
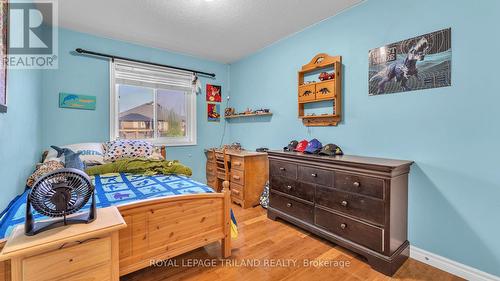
(218, 30)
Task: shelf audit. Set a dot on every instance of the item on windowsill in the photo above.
(323, 76)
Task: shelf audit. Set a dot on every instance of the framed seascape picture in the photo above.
(4, 13)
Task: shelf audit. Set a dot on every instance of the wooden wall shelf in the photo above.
(248, 115)
(327, 90)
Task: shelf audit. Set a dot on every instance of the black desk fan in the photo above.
(59, 194)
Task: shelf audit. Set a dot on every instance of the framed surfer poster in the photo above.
(422, 62)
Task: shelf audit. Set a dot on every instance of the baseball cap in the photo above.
(313, 147)
(331, 150)
(301, 146)
(291, 146)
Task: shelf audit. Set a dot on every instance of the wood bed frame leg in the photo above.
(226, 241)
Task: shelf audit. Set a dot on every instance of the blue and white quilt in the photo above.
(112, 189)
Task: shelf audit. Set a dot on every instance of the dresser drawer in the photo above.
(360, 184)
(315, 175)
(292, 187)
(52, 265)
(355, 205)
(237, 191)
(237, 163)
(278, 168)
(237, 177)
(356, 231)
(292, 207)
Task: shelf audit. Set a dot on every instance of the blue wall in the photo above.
(451, 133)
(20, 132)
(90, 76)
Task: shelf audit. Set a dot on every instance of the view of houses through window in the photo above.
(147, 113)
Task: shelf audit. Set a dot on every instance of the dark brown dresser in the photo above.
(360, 203)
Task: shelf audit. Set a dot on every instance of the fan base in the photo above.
(38, 227)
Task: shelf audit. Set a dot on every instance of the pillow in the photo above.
(43, 169)
(71, 159)
(90, 153)
(118, 149)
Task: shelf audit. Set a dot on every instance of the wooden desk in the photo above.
(73, 252)
(248, 173)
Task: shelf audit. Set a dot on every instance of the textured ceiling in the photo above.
(219, 30)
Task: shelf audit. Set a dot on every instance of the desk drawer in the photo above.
(360, 184)
(52, 265)
(237, 163)
(283, 169)
(355, 205)
(211, 169)
(292, 207)
(237, 191)
(292, 187)
(237, 177)
(315, 175)
(358, 232)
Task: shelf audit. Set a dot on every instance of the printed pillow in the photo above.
(118, 149)
(90, 153)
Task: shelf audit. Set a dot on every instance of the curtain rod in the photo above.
(83, 51)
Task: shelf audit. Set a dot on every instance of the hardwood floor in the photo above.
(262, 240)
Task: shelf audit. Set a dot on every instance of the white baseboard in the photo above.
(453, 267)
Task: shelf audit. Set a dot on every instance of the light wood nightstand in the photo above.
(73, 252)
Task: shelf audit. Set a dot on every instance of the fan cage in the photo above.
(80, 188)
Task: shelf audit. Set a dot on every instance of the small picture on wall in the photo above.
(76, 101)
(214, 93)
(422, 62)
(213, 112)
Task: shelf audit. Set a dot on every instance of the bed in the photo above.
(166, 215)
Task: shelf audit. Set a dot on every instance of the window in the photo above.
(152, 103)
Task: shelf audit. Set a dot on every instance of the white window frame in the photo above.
(191, 124)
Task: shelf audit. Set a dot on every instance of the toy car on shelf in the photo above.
(323, 76)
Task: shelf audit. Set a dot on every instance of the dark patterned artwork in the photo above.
(422, 62)
(4, 12)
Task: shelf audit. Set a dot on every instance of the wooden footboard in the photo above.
(162, 228)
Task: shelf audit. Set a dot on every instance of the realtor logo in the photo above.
(32, 35)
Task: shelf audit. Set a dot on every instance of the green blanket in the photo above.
(141, 166)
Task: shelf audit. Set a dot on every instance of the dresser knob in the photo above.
(343, 225)
(344, 203)
(289, 187)
(282, 169)
(314, 175)
(289, 205)
(356, 184)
